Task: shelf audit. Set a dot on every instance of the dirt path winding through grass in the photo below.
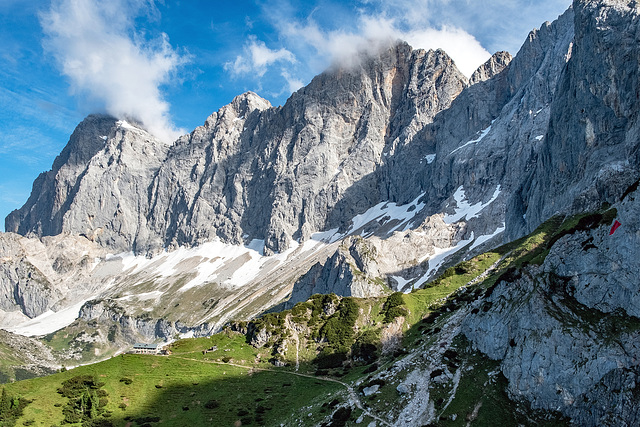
(353, 395)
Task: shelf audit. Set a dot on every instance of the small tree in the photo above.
(11, 408)
(86, 399)
(392, 307)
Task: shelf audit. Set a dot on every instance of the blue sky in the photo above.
(172, 63)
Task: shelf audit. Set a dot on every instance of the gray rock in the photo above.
(37, 275)
(567, 332)
(591, 151)
(491, 67)
(350, 271)
(403, 388)
(252, 170)
(368, 391)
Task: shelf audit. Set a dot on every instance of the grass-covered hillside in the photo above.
(327, 361)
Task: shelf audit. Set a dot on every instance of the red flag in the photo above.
(614, 227)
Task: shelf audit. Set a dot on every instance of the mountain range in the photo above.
(376, 177)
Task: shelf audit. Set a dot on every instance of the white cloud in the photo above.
(293, 83)
(371, 33)
(96, 46)
(331, 32)
(257, 57)
(463, 48)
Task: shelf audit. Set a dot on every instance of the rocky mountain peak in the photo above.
(491, 67)
(86, 140)
(40, 212)
(391, 170)
(239, 108)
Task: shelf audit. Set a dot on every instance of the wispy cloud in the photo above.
(464, 49)
(486, 21)
(306, 45)
(293, 83)
(96, 45)
(371, 33)
(257, 57)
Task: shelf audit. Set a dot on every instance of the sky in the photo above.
(170, 63)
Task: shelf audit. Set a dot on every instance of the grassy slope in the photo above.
(176, 388)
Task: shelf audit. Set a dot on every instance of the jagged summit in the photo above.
(94, 184)
(42, 214)
(491, 67)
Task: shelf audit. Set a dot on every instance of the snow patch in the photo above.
(386, 211)
(49, 321)
(438, 258)
(401, 281)
(466, 210)
(240, 264)
(328, 236)
(483, 133)
(402, 213)
(481, 239)
(189, 334)
(143, 296)
(126, 125)
(257, 245)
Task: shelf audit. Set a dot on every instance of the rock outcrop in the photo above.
(567, 332)
(492, 67)
(402, 164)
(351, 271)
(37, 275)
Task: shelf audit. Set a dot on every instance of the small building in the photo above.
(141, 348)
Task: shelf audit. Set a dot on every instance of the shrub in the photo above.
(342, 414)
(111, 335)
(366, 346)
(464, 267)
(338, 330)
(86, 400)
(328, 359)
(392, 307)
(212, 404)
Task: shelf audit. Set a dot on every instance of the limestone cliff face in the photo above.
(493, 66)
(591, 152)
(37, 275)
(252, 171)
(394, 126)
(280, 174)
(554, 129)
(98, 186)
(53, 191)
(350, 271)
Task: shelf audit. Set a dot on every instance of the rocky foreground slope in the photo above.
(372, 178)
